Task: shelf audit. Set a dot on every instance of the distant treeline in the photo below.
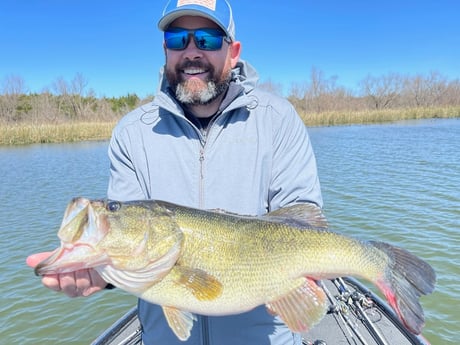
(72, 100)
(390, 91)
(64, 102)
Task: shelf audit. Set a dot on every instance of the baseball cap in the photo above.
(219, 11)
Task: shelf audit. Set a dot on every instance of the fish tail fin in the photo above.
(406, 278)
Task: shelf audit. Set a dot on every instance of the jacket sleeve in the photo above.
(294, 171)
(123, 180)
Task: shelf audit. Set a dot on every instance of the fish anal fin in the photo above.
(302, 308)
(202, 285)
(181, 322)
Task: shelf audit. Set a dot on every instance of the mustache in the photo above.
(196, 64)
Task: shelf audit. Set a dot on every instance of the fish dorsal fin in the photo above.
(300, 214)
(181, 322)
(302, 308)
(201, 284)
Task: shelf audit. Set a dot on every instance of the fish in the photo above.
(212, 262)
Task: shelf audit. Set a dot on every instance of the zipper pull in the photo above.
(201, 162)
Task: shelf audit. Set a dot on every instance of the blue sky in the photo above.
(117, 47)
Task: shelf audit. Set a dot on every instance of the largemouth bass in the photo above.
(192, 261)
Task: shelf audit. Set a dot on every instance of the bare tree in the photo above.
(382, 92)
(318, 87)
(452, 94)
(73, 99)
(13, 87)
(296, 96)
(272, 87)
(425, 91)
(44, 108)
(323, 94)
(436, 87)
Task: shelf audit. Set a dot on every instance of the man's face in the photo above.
(198, 77)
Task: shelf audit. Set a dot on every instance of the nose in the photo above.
(191, 51)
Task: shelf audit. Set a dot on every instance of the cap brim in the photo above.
(164, 22)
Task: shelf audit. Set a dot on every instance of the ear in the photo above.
(235, 52)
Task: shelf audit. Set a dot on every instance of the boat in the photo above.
(356, 316)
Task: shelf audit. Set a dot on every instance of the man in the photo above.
(212, 140)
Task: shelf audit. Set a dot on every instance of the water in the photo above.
(37, 183)
(398, 183)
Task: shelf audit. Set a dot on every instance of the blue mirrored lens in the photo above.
(176, 40)
(205, 39)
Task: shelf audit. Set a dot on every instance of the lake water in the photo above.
(395, 182)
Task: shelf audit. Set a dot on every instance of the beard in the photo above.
(197, 92)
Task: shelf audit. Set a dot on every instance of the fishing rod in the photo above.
(357, 300)
(340, 310)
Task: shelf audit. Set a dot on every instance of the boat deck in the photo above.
(356, 317)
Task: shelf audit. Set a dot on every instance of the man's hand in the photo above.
(75, 284)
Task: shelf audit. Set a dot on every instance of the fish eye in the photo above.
(113, 206)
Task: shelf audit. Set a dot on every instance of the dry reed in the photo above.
(21, 134)
(334, 118)
(24, 133)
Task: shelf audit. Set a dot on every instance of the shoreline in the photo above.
(25, 133)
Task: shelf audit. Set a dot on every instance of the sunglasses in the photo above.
(204, 38)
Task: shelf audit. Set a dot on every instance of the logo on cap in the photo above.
(211, 4)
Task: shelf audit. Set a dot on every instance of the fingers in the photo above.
(51, 281)
(76, 284)
(97, 283)
(87, 282)
(73, 284)
(34, 259)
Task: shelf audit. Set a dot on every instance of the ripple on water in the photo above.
(398, 183)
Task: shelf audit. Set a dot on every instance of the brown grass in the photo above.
(21, 134)
(24, 133)
(377, 116)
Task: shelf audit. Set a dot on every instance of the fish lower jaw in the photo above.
(60, 268)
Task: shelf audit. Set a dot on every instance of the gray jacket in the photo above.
(254, 157)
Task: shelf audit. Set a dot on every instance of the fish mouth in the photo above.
(81, 231)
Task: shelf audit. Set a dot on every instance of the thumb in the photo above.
(34, 259)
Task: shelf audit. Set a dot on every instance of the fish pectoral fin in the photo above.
(181, 322)
(302, 308)
(201, 284)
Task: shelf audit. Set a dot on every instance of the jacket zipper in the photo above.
(201, 178)
(203, 140)
(202, 144)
